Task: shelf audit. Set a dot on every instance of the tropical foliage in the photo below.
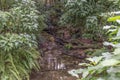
(105, 67)
(88, 15)
(19, 23)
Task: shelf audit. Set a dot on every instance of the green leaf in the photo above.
(113, 18)
(15, 74)
(73, 73)
(84, 64)
(117, 51)
(110, 62)
(85, 74)
(95, 60)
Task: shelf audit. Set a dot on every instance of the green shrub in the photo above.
(18, 56)
(89, 15)
(107, 66)
(18, 46)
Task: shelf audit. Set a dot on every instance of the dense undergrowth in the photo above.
(88, 15)
(106, 66)
(19, 23)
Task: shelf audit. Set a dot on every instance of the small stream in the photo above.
(54, 69)
(54, 64)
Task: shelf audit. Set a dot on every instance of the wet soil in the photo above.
(61, 53)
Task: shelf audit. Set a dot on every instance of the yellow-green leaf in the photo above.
(113, 18)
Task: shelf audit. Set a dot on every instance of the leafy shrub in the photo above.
(89, 15)
(18, 46)
(18, 56)
(5, 4)
(51, 9)
(105, 67)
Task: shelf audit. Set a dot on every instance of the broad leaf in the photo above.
(110, 62)
(113, 18)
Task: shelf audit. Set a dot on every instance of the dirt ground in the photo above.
(60, 52)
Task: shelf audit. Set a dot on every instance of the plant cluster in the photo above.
(51, 9)
(18, 47)
(89, 15)
(105, 67)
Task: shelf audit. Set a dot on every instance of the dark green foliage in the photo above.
(89, 15)
(79, 11)
(18, 56)
(18, 47)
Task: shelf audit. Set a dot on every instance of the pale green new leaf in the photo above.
(109, 62)
(117, 51)
(85, 74)
(113, 18)
(95, 59)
